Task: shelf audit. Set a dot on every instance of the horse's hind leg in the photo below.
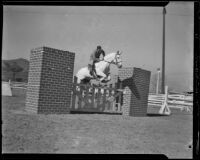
(78, 82)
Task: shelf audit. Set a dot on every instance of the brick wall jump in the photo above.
(50, 81)
(136, 84)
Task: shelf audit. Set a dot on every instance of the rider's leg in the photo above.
(91, 68)
(94, 69)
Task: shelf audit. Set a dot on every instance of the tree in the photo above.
(6, 67)
(15, 68)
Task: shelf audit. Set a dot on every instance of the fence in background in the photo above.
(177, 101)
(21, 85)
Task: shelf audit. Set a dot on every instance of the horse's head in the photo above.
(114, 58)
(117, 60)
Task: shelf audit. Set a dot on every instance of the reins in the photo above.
(110, 62)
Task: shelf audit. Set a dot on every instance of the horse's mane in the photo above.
(109, 57)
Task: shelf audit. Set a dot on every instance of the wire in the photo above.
(180, 14)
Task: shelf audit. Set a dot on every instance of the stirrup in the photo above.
(96, 76)
(93, 74)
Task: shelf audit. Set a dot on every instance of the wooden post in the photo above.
(120, 98)
(109, 96)
(115, 98)
(93, 95)
(74, 93)
(80, 98)
(158, 81)
(165, 108)
(87, 96)
(104, 96)
(98, 96)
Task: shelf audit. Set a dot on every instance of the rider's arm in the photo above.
(103, 53)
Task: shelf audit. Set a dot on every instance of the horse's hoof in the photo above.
(103, 81)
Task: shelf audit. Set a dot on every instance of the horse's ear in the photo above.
(119, 52)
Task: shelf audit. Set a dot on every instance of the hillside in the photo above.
(176, 83)
(24, 63)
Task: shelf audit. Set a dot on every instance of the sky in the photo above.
(136, 31)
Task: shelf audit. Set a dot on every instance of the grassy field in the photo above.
(93, 133)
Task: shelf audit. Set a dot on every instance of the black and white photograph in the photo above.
(80, 79)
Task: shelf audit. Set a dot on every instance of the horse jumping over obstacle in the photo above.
(50, 84)
(102, 69)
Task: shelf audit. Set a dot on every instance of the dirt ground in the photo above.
(94, 133)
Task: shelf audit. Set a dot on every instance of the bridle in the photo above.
(112, 62)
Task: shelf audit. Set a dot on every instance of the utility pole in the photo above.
(163, 55)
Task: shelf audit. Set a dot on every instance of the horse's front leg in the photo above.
(103, 75)
(107, 79)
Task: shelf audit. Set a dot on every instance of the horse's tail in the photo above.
(80, 74)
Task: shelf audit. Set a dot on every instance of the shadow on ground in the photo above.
(155, 115)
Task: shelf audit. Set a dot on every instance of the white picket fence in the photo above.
(164, 101)
(167, 101)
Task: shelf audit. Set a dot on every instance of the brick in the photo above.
(47, 82)
(136, 99)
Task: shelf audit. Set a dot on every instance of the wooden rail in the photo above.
(20, 85)
(181, 102)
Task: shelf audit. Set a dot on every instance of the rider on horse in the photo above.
(95, 57)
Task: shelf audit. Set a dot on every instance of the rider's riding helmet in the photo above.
(98, 47)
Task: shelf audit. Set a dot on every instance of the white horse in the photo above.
(102, 69)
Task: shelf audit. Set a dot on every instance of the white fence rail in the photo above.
(180, 101)
(21, 85)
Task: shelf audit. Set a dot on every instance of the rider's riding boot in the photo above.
(91, 69)
(95, 74)
(91, 72)
(94, 71)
